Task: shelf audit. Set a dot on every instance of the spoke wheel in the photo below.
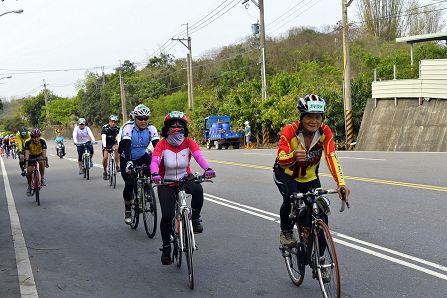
(150, 212)
(87, 169)
(36, 187)
(327, 261)
(135, 210)
(294, 259)
(187, 244)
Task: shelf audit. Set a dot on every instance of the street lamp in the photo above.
(12, 11)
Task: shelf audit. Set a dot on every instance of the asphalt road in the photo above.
(391, 243)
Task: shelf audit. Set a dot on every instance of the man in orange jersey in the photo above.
(299, 152)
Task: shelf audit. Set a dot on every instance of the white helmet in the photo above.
(113, 117)
(141, 110)
(246, 122)
(81, 121)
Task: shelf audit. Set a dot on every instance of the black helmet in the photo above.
(23, 131)
(311, 103)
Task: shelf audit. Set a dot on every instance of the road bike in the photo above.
(183, 235)
(315, 246)
(143, 201)
(86, 159)
(14, 151)
(36, 179)
(111, 168)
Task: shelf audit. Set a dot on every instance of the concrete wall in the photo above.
(405, 127)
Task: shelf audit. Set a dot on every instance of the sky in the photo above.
(74, 37)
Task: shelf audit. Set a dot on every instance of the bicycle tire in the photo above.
(109, 171)
(84, 166)
(294, 258)
(150, 214)
(36, 187)
(329, 256)
(87, 169)
(176, 252)
(188, 249)
(135, 210)
(113, 175)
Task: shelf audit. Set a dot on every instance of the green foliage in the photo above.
(63, 110)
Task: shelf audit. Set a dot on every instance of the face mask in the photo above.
(175, 139)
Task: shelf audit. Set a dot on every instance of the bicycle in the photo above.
(111, 168)
(315, 246)
(143, 201)
(183, 235)
(36, 179)
(86, 159)
(13, 151)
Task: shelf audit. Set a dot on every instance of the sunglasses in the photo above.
(142, 118)
(81, 123)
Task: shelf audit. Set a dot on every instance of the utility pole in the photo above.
(260, 5)
(349, 127)
(123, 95)
(188, 67)
(45, 95)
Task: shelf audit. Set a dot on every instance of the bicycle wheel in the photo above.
(113, 174)
(150, 213)
(135, 210)
(84, 165)
(109, 170)
(294, 259)
(87, 168)
(328, 271)
(176, 252)
(187, 246)
(36, 185)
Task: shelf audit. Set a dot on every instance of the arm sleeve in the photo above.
(103, 140)
(285, 152)
(127, 149)
(92, 137)
(75, 135)
(331, 158)
(156, 157)
(197, 154)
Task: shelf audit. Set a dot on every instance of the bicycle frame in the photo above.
(182, 206)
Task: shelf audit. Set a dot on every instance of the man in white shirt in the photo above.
(83, 137)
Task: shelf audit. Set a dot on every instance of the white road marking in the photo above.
(268, 154)
(251, 210)
(24, 270)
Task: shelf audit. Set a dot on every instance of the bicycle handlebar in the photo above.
(195, 179)
(318, 192)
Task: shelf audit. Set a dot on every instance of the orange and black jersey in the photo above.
(304, 171)
(35, 149)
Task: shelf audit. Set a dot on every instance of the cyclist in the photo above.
(81, 135)
(108, 136)
(300, 148)
(171, 160)
(35, 148)
(247, 133)
(21, 137)
(6, 146)
(136, 137)
(60, 140)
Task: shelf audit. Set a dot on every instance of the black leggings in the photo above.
(168, 196)
(287, 185)
(81, 150)
(128, 182)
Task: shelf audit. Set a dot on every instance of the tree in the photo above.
(382, 18)
(423, 19)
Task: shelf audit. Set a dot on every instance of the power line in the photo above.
(211, 21)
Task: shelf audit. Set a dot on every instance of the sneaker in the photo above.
(23, 173)
(287, 239)
(128, 217)
(197, 226)
(325, 275)
(29, 192)
(105, 176)
(118, 169)
(43, 182)
(166, 255)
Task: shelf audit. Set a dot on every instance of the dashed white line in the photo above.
(24, 270)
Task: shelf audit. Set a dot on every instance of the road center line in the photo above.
(24, 270)
(244, 208)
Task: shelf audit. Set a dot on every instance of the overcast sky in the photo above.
(84, 34)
